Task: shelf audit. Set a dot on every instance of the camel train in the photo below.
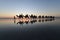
(32, 16)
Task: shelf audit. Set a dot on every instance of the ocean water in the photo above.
(30, 29)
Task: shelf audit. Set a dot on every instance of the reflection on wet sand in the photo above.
(26, 21)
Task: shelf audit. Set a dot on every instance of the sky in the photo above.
(10, 8)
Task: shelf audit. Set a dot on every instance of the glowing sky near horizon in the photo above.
(9, 8)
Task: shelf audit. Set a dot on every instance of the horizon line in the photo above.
(13, 17)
